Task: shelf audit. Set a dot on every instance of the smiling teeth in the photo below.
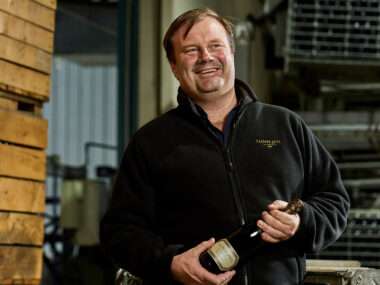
(207, 71)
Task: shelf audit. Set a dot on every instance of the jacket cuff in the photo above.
(301, 237)
(166, 261)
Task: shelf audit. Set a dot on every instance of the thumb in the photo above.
(277, 205)
(204, 245)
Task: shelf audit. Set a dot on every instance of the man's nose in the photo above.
(205, 55)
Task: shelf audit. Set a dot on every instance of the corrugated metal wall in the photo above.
(82, 109)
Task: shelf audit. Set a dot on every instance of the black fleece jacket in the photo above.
(177, 186)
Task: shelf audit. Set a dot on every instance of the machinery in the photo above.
(325, 58)
(77, 204)
(322, 272)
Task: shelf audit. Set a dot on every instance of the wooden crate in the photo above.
(20, 103)
(23, 138)
(32, 11)
(26, 37)
(23, 265)
(23, 129)
(22, 195)
(23, 31)
(26, 47)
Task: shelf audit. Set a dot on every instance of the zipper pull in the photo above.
(230, 165)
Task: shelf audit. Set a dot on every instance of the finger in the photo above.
(210, 278)
(269, 238)
(280, 229)
(277, 205)
(288, 223)
(284, 218)
(225, 277)
(204, 246)
(272, 222)
(274, 233)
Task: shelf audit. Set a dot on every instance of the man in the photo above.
(219, 160)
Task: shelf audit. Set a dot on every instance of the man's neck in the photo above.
(217, 111)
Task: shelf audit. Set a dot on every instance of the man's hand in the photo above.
(278, 226)
(187, 269)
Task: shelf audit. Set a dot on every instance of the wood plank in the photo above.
(15, 102)
(20, 265)
(19, 228)
(24, 54)
(22, 162)
(52, 4)
(30, 11)
(22, 195)
(24, 81)
(37, 109)
(8, 104)
(24, 31)
(23, 129)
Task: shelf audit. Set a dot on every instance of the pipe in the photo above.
(122, 38)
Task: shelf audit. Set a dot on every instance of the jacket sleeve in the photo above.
(127, 230)
(326, 202)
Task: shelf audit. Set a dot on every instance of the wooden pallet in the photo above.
(26, 47)
(14, 102)
(23, 136)
(26, 37)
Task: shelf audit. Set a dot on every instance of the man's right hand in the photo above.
(187, 269)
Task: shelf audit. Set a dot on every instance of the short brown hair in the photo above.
(190, 18)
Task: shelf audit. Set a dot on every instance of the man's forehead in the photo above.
(188, 28)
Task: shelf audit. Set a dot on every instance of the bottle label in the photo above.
(224, 255)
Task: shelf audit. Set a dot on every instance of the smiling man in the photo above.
(203, 63)
(217, 161)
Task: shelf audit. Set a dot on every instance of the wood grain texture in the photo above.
(30, 11)
(14, 102)
(22, 162)
(24, 31)
(24, 129)
(52, 4)
(22, 195)
(25, 54)
(19, 228)
(8, 104)
(24, 81)
(20, 265)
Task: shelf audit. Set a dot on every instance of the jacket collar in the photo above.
(240, 87)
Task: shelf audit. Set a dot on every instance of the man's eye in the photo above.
(191, 50)
(216, 46)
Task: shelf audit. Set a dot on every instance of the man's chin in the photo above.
(209, 88)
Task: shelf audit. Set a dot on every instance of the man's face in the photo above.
(204, 61)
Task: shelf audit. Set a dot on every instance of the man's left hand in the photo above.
(277, 225)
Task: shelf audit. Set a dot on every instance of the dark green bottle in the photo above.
(227, 253)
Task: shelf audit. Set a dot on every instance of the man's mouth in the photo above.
(204, 71)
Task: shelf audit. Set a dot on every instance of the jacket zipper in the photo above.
(238, 202)
(235, 188)
(237, 191)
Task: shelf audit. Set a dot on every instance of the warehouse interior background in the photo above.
(320, 59)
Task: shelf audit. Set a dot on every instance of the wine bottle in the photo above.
(227, 253)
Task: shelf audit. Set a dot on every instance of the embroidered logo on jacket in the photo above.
(268, 143)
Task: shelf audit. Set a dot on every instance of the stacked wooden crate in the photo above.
(26, 47)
